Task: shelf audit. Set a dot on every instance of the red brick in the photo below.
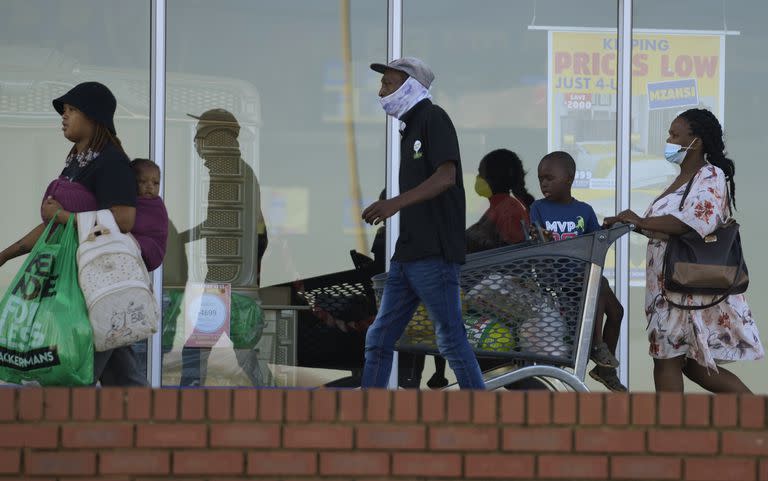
(697, 409)
(512, 407)
(433, 406)
(454, 438)
(719, 469)
(670, 441)
(282, 463)
(745, 443)
(166, 404)
(406, 405)
(670, 408)
(539, 439)
(354, 464)
(138, 403)
(763, 470)
(8, 404)
(10, 461)
(30, 404)
(616, 409)
(192, 404)
(208, 462)
(539, 407)
(135, 462)
(29, 435)
(97, 478)
(505, 466)
(725, 410)
(610, 441)
(377, 405)
(111, 403)
(171, 435)
(84, 404)
(564, 408)
(317, 436)
(572, 467)
(297, 405)
(100, 435)
(752, 411)
(645, 467)
(591, 408)
(50, 463)
(643, 408)
(243, 435)
(426, 464)
(271, 405)
(324, 405)
(484, 407)
(245, 404)
(56, 404)
(351, 405)
(391, 437)
(220, 404)
(459, 403)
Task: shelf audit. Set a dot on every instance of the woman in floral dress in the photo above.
(693, 342)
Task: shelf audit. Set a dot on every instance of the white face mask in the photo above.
(676, 153)
(403, 99)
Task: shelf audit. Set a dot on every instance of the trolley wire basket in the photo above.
(534, 304)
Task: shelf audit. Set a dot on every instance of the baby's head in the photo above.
(147, 177)
(556, 172)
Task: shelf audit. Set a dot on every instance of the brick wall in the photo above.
(346, 435)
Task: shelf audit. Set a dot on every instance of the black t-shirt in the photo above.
(434, 228)
(109, 178)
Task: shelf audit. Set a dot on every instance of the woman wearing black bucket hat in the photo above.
(96, 176)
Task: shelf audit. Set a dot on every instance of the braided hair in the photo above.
(504, 173)
(704, 125)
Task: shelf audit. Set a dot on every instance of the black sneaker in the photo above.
(437, 381)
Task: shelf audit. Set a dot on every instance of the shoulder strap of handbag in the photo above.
(85, 222)
(105, 218)
(688, 191)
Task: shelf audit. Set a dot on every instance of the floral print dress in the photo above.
(725, 332)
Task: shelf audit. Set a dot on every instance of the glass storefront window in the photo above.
(46, 48)
(710, 55)
(515, 75)
(269, 158)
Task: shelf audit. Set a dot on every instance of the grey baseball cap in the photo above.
(412, 66)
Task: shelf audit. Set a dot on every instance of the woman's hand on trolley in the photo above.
(625, 217)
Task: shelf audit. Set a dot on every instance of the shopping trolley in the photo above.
(533, 306)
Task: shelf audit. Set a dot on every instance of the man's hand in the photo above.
(381, 210)
(49, 209)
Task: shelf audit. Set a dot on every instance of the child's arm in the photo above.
(22, 246)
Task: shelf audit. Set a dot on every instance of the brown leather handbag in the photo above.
(713, 265)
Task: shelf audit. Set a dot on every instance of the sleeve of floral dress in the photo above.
(705, 207)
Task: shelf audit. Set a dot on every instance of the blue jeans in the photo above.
(435, 283)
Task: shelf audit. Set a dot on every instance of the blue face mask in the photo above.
(676, 153)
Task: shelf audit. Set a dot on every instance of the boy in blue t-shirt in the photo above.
(564, 217)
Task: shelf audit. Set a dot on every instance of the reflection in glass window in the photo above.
(274, 142)
(522, 76)
(46, 48)
(712, 60)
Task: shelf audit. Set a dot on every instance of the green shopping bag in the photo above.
(45, 334)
